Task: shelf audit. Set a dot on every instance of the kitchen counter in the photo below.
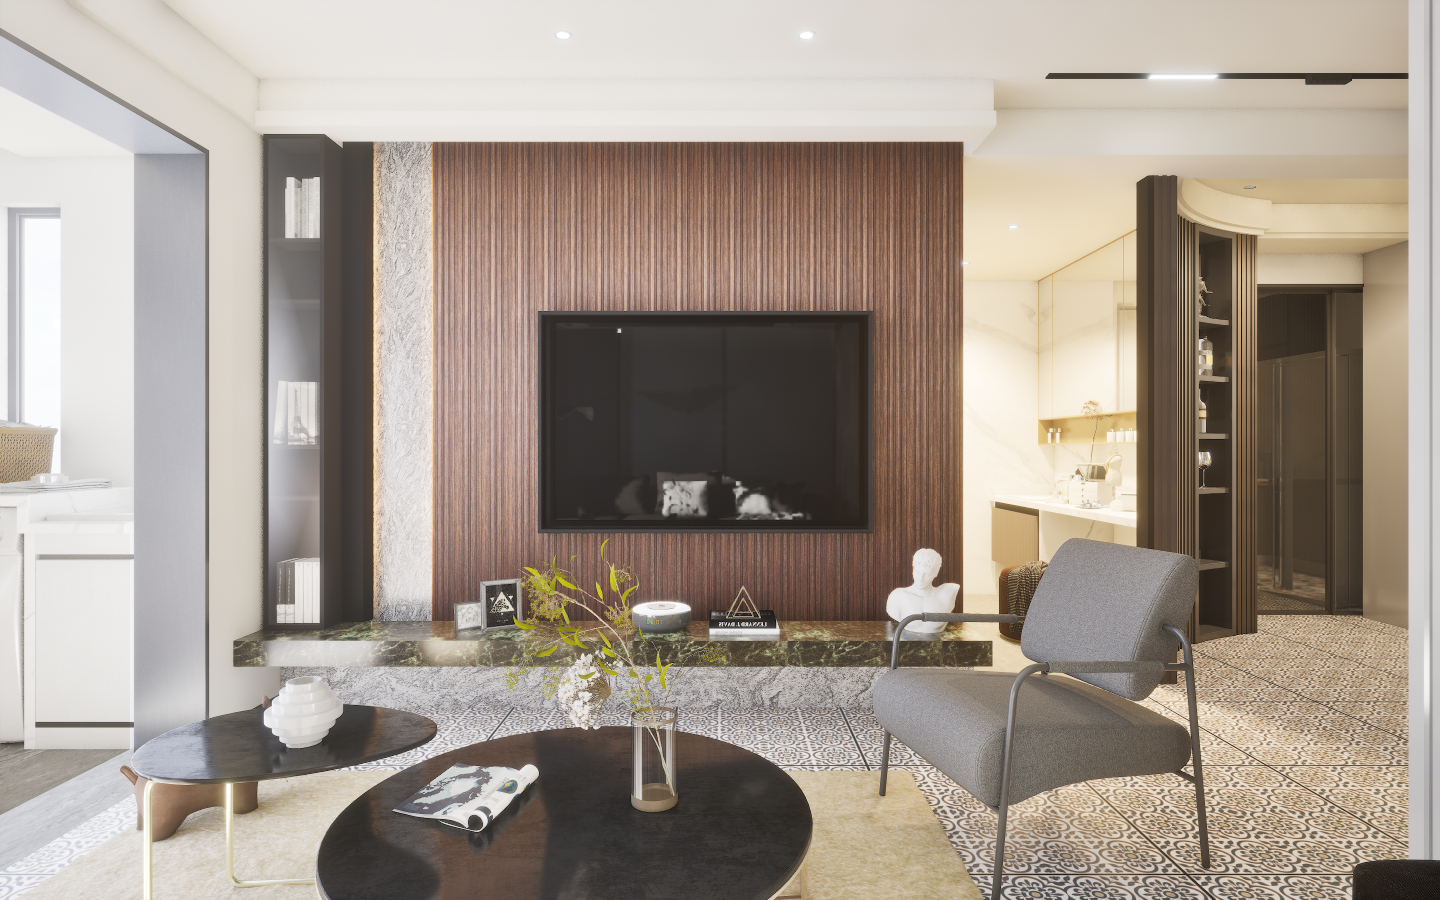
(1051, 505)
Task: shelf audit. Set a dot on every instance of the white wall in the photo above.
(1001, 454)
(1310, 268)
(96, 198)
(60, 31)
(1386, 489)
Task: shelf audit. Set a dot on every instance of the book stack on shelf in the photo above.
(302, 207)
(743, 621)
(299, 592)
(297, 420)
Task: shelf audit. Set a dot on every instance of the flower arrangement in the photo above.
(612, 655)
(613, 652)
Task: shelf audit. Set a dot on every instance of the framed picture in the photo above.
(470, 616)
(501, 604)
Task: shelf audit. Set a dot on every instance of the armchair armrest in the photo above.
(943, 617)
(1099, 667)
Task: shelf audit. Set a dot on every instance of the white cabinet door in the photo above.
(83, 640)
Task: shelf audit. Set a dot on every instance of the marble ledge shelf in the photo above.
(410, 644)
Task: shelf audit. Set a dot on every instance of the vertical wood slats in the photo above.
(526, 227)
(1165, 401)
(1244, 324)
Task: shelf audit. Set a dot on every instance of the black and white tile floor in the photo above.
(1305, 759)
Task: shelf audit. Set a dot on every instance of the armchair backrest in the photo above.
(1109, 603)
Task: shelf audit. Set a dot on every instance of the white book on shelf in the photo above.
(302, 571)
(280, 430)
(292, 411)
(292, 200)
(312, 410)
(313, 570)
(312, 206)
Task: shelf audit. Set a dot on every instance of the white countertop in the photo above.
(1051, 505)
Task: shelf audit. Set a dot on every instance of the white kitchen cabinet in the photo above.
(83, 633)
(73, 553)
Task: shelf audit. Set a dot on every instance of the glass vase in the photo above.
(653, 781)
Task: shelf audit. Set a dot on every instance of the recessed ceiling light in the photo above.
(563, 35)
(806, 35)
(1251, 187)
(1186, 77)
(1013, 227)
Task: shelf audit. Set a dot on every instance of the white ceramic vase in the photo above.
(304, 712)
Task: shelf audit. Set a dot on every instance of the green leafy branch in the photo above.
(561, 613)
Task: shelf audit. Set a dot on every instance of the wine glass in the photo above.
(1205, 461)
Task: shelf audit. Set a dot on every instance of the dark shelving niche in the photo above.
(1216, 525)
(318, 333)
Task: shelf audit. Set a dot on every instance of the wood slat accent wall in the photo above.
(1165, 342)
(526, 227)
(1244, 325)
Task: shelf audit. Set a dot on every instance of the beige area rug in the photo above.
(864, 846)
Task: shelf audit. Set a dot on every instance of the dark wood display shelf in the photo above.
(1214, 323)
(1214, 490)
(1214, 379)
(1208, 564)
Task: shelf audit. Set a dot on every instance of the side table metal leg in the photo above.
(230, 849)
(148, 846)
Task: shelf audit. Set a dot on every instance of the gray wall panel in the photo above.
(171, 472)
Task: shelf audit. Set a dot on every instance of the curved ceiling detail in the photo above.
(1204, 205)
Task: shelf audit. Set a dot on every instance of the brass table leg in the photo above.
(229, 848)
(148, 848)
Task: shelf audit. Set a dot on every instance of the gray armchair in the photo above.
(1108, 615)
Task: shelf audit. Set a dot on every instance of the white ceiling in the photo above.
(27, 129)
(1061, 162)
(1015, 43)
(1315, 190)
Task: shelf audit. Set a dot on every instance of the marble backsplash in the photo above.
(404, 380)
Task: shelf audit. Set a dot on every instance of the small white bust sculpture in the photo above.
(923, 596)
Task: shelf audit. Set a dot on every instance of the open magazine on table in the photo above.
(469, 797)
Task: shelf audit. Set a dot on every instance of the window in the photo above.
(32, 325)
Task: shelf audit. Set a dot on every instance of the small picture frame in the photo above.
(470, 617)
(501, 604)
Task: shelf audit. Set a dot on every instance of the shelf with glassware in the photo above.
(1120, 427)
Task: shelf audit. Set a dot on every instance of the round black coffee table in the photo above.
(740, 831)
(238, 747)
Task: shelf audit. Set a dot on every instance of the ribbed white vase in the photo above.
(304, 712)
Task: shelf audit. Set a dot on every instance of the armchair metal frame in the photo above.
(1080, 667)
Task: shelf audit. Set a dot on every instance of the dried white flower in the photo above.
(579, 694)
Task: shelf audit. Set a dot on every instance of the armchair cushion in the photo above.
(1066, 731)
(1111, 602)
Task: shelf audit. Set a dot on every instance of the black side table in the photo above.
(238, 747)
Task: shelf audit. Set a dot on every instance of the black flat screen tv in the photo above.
(705, 422)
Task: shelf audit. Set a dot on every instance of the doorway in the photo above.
(1310, 377)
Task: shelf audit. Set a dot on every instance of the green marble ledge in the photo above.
(400, 644)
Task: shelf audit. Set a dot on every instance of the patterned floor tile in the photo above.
(1256, 856)
(1363, 777)
(1096, 887)
(1275, 887)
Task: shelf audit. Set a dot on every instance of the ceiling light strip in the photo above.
(1245, 76)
